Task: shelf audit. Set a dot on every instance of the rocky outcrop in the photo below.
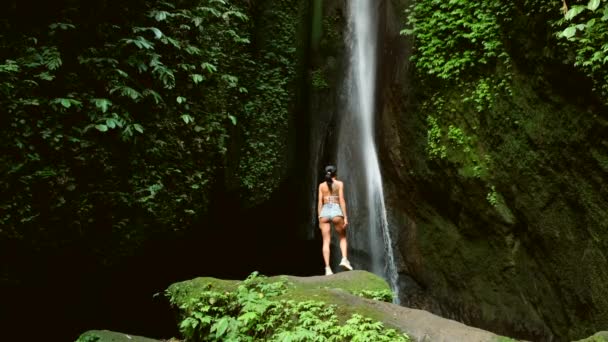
(344, 290)
(111, 336)
(535, 265)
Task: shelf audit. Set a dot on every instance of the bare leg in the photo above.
(325, 226)
(339, 224)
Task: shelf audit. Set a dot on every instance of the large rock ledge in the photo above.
(342, 290)
(111, 336)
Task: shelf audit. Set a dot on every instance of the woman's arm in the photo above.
(343, 203)
(320, 205)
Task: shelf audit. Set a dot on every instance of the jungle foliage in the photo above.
(464, 57)
(255, 311)
(119, 117)
(586, 32)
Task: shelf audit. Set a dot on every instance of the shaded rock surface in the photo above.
(111, 336)
(536, 264)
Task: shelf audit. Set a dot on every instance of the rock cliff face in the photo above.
(535, 265)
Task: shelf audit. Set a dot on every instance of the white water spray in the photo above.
(357, 158)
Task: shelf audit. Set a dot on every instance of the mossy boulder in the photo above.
(321, 288)
(601, 336)
(111, 336)
(346, 292)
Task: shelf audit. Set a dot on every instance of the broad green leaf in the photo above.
(231, 80)
(126, 91)
(226, 15)
(209, 67)
(569, 32)
(187, 118)
(160, 15)
(169, 40)
(102, 104)
(111, 123)
(157, 98)
(157, 33)
(52, 59)
(593, 4)
(248, 316)
(574, 11)
(181, 99)
(62, 26)
(118, 120)
(232, 119)
(213, 11)
(197, 21)
(221, 326)
(9, 66)
(138, 128)
(66, 103)
(46, 76)
(197, 78)
(122, 73)
(140, 42)
(101, 128)
(193, 50)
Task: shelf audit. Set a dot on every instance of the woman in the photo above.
(332, 209)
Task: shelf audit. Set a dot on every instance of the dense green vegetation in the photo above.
(470, 45)
(587, 34)
(255, 311)
(509, 113)
(123, 122)
(122, 117)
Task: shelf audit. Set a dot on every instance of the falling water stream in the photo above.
(357, 159)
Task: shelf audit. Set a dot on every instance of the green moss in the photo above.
(354, 283)
(545, 212)
(182, 292)
(332, 40)
(602, 159)
(318, 80)
(505, 339)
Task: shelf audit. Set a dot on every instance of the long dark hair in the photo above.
(330, 172)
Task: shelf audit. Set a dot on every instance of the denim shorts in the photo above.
(331, 210)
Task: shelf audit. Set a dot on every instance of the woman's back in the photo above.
(333, 195)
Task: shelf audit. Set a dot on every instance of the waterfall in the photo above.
(357, 159)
